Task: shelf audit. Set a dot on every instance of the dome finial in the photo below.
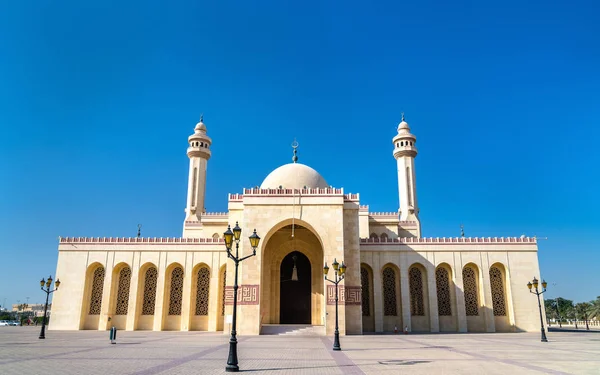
(202, 117)
(403, 116)
(295, 147)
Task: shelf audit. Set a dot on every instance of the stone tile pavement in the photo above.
(175, 353)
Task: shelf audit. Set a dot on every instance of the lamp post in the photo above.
(535, 284)
(47, 284)
(230, 237)
(339, 273)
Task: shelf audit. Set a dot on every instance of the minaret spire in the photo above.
(295, 147)
(405, 152)
(198, 152)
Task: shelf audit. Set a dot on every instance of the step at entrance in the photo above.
(292, 329)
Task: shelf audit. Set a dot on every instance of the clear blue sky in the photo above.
(97, 101)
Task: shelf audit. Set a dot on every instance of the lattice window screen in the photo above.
(149, 291)
(470, 289)
(442, 282)
(415, 280)
(202, 291)
(366, 298)
(223, 296)
(123, 291)
(176, 294)
(389, 292)
(97, 288)
(497, 282)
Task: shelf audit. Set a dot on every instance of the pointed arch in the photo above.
(119, 296)
(392, 306)
(146, 297)
(419, 298)
(384, 237)
(500, 300)
(471, 290)
(446, 297)
(199, 306)
(92, 296)
(221, 297)
(366, 281)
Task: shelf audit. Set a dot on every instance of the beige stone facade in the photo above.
(395, 278)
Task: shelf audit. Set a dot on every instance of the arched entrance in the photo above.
(283, 300)
(294, 290)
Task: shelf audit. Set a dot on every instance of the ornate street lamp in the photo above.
(535, 284)
(230, 237)
(339, 273)
(47, 284)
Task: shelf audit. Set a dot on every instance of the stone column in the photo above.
(186, 299)
(214, 297)
(461, 312)
(106, 293)
(405, 291)
(160, 293)
(434, 319)
(377, 293)
(133, 294)
(486, 293)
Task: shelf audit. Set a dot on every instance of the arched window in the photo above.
(366, 298)
(497, 282)
(384, 237)
(415, 280)
(215, 236)
(389, 292)
(470, 289)
(202, 291)
(149, 291)
(374, 237)
(176, 291)
(97, 287)
(123, 291)
(442, 283)
(402, 143)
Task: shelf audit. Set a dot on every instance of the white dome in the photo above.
(294, 176)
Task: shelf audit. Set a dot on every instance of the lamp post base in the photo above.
(232, 360)
(336, 342)
(544, 339)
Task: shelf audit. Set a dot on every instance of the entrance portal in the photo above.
(295, 285)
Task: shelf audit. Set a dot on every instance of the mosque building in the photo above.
(395, 278)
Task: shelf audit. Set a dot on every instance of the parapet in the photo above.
(138, 240)
(449, 240)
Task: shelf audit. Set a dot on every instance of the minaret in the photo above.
(199, 153)
(405, 153)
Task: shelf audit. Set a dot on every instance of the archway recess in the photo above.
(294, 289)
(277, 266)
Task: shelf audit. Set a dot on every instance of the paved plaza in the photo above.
(146, 353)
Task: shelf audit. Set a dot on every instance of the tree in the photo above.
(583, 309)
(594, 310)
(550, 307)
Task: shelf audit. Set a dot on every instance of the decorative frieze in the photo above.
(247, 295)
(347, 295)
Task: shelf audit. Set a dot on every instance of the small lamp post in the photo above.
(47, 284)
(230, 237)
(339, 273)
(535, 284)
